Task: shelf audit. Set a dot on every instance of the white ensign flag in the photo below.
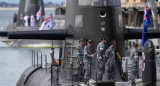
(47, 23)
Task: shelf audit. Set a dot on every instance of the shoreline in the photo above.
(16, 8)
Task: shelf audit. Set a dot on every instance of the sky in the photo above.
(45, 1)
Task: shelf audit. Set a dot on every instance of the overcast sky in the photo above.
(45, 1)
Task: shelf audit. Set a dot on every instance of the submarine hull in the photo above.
(34, 76)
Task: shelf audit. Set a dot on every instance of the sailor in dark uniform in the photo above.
(134, 63)
(110, 55)
(101, 58)
(88, 52)
(80, 59)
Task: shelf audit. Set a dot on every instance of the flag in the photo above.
(146, 24)
(38, 14)
(47, 23)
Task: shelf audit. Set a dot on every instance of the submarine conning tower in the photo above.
(91, 19)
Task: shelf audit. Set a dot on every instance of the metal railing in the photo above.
(64, 76)
(35, 60)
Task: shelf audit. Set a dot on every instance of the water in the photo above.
(6, 17)
(13, 61)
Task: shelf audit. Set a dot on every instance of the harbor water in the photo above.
(13, 61)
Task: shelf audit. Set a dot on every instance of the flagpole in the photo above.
(146, 69)
(146, 24)
(40, 15)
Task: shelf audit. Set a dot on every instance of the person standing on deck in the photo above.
(14, 20)
(101, 58)
(32, 21)
(110, 55)
(134, 63)
(88, 53)
(80, 59)
(26, 20)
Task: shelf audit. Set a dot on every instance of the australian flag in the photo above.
(146, 23)
(47, 24)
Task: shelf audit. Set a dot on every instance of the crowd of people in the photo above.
(105, 56)
(27, 20)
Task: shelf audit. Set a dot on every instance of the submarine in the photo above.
(89, 19)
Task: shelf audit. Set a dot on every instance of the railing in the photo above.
(35, 60)
(64, 76)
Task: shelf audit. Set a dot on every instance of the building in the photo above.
(133, 12)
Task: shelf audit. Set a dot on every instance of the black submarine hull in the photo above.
(34, 76)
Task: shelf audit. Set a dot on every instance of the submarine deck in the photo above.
(41, 77)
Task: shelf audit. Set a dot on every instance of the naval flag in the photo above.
(47, 23)
(146, 24)
(38, 14)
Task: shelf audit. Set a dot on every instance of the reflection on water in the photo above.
(13, 61)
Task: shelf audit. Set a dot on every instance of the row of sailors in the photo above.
(104, 56)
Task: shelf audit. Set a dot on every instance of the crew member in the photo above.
(32, 20)
(26, 20)
(134, 63)
(14, 20)
(80, 59)
(110, 55)
(101, 58)
(88, 52)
